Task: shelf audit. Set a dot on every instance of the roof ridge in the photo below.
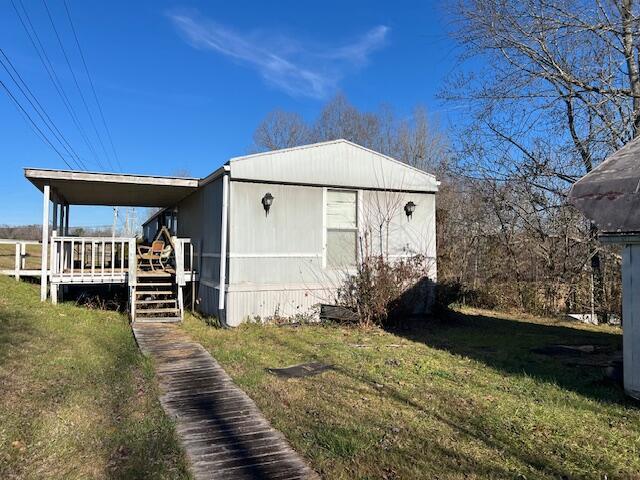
(288, 149)
(329, 142)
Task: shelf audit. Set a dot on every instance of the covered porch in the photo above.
(82, 260)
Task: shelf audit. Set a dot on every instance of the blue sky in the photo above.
(184, 84)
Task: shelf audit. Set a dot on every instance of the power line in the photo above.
(75, 80)
(48, 66)
(26, 114)
(39, 109)
(95, 96)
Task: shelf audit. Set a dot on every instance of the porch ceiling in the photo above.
(110, 189)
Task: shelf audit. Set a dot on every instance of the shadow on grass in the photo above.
(358, 383)
(477, 427)
(518, 348)
(499, 343)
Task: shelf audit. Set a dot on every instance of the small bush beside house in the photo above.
(383, 292)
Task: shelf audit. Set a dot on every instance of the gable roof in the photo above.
(610, 194)
(337, 163)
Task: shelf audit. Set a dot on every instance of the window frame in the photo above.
(326, 229)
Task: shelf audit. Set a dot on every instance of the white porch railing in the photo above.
(95, 260)
(20, 267)
(107, 260)
(184, 260)
(184, 267)
(92, 259)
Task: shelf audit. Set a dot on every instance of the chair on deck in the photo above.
(158, 254)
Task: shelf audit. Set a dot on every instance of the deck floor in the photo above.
(223, 432)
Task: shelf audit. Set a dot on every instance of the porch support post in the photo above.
(63, 288)
(57, 206)
(60, 225)
(54, 220)
(45, 242)
(62, 253)
(66, 220)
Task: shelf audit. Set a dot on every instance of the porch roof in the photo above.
(112, 189)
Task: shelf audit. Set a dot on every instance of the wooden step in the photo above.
(146, 302)
(145, 274)
(157, 320)
(155, 284)
(155, 292)
(156, 311)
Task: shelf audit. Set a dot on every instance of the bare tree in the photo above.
(503, 232)
(417, 140)
(340, 119)
(281, 129)
(559, 91)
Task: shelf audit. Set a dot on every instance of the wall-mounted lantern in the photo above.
(267, 200)
(409, 208)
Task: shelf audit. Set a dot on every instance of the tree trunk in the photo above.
(628, 21)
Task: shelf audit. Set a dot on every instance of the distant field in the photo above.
(8, 255)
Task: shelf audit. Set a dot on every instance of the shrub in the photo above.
(447, 294)
(382, 291)
(452, 292)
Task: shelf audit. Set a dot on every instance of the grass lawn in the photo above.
(457, 398)
(77, 399)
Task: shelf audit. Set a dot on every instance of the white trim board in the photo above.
(275, 255)
(295, 255)
(275, 287)
(109, 177)
(264, 255)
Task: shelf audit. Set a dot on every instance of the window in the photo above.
(342, 228)
(169, 219)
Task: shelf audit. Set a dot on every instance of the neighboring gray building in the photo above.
(610, 197)
(290, 223)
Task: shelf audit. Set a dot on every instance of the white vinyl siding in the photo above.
(342, 228)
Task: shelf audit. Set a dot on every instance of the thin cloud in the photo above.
(296, 69)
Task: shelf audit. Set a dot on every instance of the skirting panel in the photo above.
(267, 305)
(207, 299)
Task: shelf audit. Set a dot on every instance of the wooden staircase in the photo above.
(156, 298)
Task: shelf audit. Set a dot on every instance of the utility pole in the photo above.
(130, 222)
(115, 222)
(134, 221)
(126, 223)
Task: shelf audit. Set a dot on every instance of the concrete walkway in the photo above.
(222, 430)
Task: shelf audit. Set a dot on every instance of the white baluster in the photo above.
(82, 258)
